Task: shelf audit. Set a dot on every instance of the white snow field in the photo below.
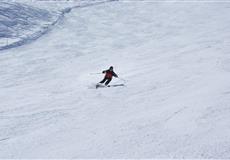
(175, 58)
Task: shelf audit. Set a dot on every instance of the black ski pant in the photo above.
(106, 80)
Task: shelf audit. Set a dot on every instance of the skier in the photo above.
(109, 74)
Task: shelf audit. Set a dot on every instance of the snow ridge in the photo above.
(22, 24)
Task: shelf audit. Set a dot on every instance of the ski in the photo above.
(104, 86)
(116, 85)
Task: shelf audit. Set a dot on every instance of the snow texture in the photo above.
(175, 60)
(21, 24)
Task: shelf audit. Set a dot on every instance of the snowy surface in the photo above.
(21, 23)
(174, 57)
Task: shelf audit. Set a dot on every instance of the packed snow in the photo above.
(172, 56)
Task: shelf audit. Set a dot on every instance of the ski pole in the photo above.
(122, 79)
(94, 73)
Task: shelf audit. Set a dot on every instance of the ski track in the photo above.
(175, 58)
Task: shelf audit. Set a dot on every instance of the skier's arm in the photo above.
(115, 75)
(104, 71)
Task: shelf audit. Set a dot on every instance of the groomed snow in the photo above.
(174, 57)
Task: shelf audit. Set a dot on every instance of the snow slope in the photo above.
(20, 23)
(175, 58)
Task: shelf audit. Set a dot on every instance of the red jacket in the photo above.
(109, 74)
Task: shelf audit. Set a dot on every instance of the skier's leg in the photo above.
(103, 80)
(107, 82)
